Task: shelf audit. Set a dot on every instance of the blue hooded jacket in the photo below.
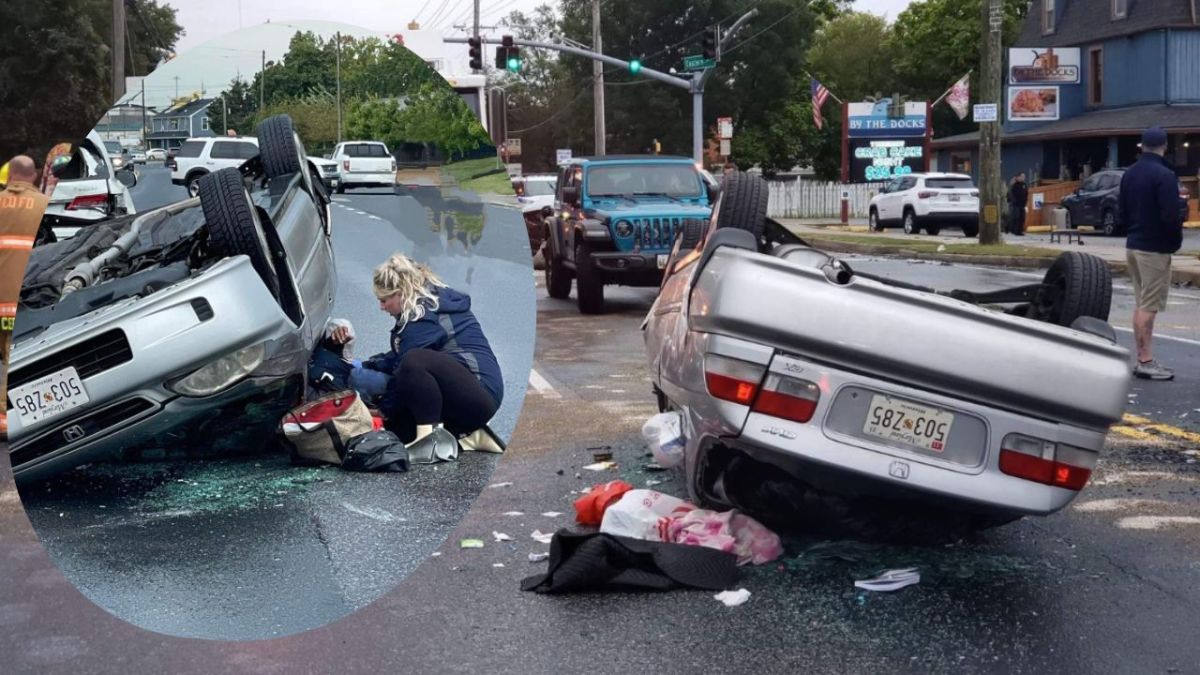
(1150, 205)
(451, 329)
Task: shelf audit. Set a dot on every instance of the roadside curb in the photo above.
(1190, 277)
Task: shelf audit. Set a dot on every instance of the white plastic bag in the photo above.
(664, 436)
(642, 514)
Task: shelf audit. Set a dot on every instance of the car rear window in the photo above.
(190, 149)
(949, 183)
(539, 188)
(366, 150)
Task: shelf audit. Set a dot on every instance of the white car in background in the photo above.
(364, 164)
(535, 194)
(198, 157)
(927, 200)
(90, 188)
(328, 169)
(156, 155)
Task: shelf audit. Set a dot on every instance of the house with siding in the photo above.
(1103, 71)
(175, 125)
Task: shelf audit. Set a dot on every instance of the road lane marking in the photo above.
(541, 386)
(1145, 424)
(1155, 522)
(1164, 337)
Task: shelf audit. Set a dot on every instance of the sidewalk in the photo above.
(1185, 268)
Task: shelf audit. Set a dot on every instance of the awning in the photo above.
(1132, 121)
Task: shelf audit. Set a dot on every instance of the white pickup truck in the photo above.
(364, 164)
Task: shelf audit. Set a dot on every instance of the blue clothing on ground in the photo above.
(453, 329)
(1149, 204)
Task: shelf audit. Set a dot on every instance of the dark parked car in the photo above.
(1095, 203)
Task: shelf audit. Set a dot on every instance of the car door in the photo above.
(665, 326)
(1089, 201)
(887, 195)
(571, 213)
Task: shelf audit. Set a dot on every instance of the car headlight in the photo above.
(624, 228)
(220, 374)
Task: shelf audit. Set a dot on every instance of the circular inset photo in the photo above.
(274, 333)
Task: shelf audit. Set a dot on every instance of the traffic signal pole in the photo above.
(694, 84)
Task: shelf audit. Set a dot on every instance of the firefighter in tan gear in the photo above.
(21, 209)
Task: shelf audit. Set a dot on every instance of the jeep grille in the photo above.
(655, 232)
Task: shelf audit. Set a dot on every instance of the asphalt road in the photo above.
(249, 547)
(1109, 585)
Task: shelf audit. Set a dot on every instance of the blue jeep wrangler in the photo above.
(615, 219)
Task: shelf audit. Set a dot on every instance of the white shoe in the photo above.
(481, 440)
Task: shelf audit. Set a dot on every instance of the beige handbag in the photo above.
(319, 431)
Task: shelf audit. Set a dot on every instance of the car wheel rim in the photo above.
(1109, 224)
(194, 187)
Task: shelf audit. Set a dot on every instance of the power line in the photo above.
(776, 23)
(442, 15)
(422, 11)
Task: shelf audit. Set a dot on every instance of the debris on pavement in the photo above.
(552, 514)
(652, 482)
(497, 564)
(601, 466)
(733, 598)
(541, 537)
(500, 485)
(664, 436)
(514, 513)
(653, 467)
(890, 580)
(471, 543)
(602, 456)
(538, 557)
(598, 561)
(590, 508)
(500, 536)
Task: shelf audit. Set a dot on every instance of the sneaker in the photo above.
(1153, 370)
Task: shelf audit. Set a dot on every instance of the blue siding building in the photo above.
(1100, 72)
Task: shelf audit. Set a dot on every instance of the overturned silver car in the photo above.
(825, 399)
(190, 325)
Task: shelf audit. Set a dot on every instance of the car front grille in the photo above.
(90, 357)
(84, 428)
(655, 232)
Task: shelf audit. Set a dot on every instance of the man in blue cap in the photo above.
(1149, 205)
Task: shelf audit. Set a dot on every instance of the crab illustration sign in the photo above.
(1027, 65)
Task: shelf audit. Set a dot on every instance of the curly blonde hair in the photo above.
(412, 281)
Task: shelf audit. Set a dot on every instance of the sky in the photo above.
(207, 19)
(227, 38)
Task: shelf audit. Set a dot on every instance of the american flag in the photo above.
(819, 94)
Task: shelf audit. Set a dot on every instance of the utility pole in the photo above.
(475, 32)
(598, 80)
(262, 83)
(990, 188)
(339, 86)
(144, 143)
(177, 87)
(118, 50)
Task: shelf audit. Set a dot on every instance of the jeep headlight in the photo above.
(220, 374)
(624, 228)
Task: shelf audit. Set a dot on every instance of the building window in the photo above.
(204, 123)
(1047, 16)
(1095, 76)
(1120, 9)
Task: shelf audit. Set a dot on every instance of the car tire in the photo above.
(690, 235)
(910, 222)
(743, 203)
(970, 231)
(873, 223)
(558, 277)
(787, 503)
(234, 227)
(279, 147)
(589, 290)
(1108, 223)
(192, 182)
(1077, 284)
(933, 229)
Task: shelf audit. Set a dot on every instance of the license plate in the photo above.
(48, 397)
(662, 260)
(955, 198)
(906, 422)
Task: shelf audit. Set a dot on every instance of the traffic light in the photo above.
(514, 59)
(712, 37)
(501, 57)
(476, 52)
(508, 55)
(634, 66)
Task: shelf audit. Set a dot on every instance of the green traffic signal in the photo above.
(514, 64)
(635, 66)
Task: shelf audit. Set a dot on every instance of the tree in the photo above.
(55, 74)
(852, 55)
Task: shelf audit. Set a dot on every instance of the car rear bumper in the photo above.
(628, 268)
(378, 179)
(968, 216)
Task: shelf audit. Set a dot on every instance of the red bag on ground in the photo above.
(589, 509)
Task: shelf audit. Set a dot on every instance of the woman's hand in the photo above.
(340, 334)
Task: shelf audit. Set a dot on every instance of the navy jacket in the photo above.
(1149, 203)
(451, 329)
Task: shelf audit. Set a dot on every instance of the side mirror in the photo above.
(547, 211)
(570, 195)
(128, 178)
(713, 192)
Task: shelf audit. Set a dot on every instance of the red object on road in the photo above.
(589, 509)
(376, 422)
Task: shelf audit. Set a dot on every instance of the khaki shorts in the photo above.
(1151, 275)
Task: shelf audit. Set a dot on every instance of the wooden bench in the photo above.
(1057, 235)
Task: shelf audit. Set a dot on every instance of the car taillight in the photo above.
(87, 202)
(1046, 462)
(732, 379)
(974, 193)
(926, 194)
(345, 165)
(787, 398)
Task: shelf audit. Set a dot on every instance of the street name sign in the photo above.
(562, 156)
(697, 62)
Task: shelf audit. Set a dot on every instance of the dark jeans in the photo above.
(431, 387)
(1016, 220)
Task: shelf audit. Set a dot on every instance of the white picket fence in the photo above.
(811, 199)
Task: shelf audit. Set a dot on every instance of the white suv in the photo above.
(364, 164)
(929, 201)
(200, 156)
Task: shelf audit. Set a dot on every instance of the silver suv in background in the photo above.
(198, 157)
